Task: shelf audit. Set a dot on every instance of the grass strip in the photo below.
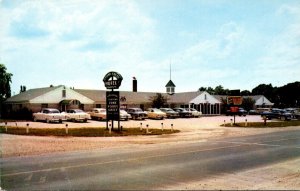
(83, 132)
(268, 124)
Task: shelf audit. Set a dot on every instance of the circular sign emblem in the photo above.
(112, 80)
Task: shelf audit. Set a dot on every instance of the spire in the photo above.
(170, 87)
(170, 71)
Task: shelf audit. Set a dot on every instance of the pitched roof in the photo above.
(184, 97)
(30, 94)
(131, 97)
(170, 84)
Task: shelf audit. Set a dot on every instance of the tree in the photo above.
(289, 95)
(248, 103)
(245, 93)
(209, 90)
(158, 101)
(219, 90)
(5, 80)
(264, 89)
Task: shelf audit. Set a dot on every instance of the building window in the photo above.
(98, 105)
(205, 98)
(172, 90)
(64, 93)
(76, 102)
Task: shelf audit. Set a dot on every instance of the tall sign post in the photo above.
(112, 80)
(233, 102)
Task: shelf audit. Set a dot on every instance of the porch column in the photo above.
(219, 109)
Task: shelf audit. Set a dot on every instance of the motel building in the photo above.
(63, 98)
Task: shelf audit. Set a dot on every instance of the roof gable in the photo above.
(205, 98)
(56, 96)
(30, 94)
(170, 84)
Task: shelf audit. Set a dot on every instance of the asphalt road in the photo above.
(148, 166)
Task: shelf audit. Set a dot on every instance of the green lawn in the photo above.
(269, 124)
(83, 132)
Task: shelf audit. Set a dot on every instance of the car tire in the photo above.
(283, 118)
(47, 120)
(34, 119)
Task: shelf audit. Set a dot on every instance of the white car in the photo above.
(49, 115)
(124, 115)
(98, 114)
(77, 115)
(154, 113)
(194, 112)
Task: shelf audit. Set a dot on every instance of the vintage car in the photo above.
(77, 115)
(98, 114)
(194, 112)
(124, 115)
(49, 115)
(276, 114)
(170, 112)
(183, 113)
(137, 113)
(154, 113)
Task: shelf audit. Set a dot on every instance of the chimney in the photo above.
(134, 85)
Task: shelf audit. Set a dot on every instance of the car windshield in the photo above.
(54, 111)
(156, 110)
(140, 110)
(78, 111)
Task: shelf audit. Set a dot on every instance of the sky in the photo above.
(238, 44)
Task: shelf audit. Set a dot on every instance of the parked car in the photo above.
(137, 113)
(277, 114)
(170, 112)
(182, 112)
(242, 112)
(154, 113)
(194, 112)
(49, 115)
(98, 114)
(77, 115)
(124, 115)
(253, 112)
(294, 111)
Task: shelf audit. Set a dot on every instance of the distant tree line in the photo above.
(282, 97)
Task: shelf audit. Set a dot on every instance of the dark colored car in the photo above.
(277, 114)
(183, 113)
(253, 112)
(170, 112)
(137, 113)
(294, 111)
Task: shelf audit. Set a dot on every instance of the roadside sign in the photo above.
(112, 105)
(112, 80)
(234, 100)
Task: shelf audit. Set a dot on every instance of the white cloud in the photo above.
(88, 38)
(281, 55)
